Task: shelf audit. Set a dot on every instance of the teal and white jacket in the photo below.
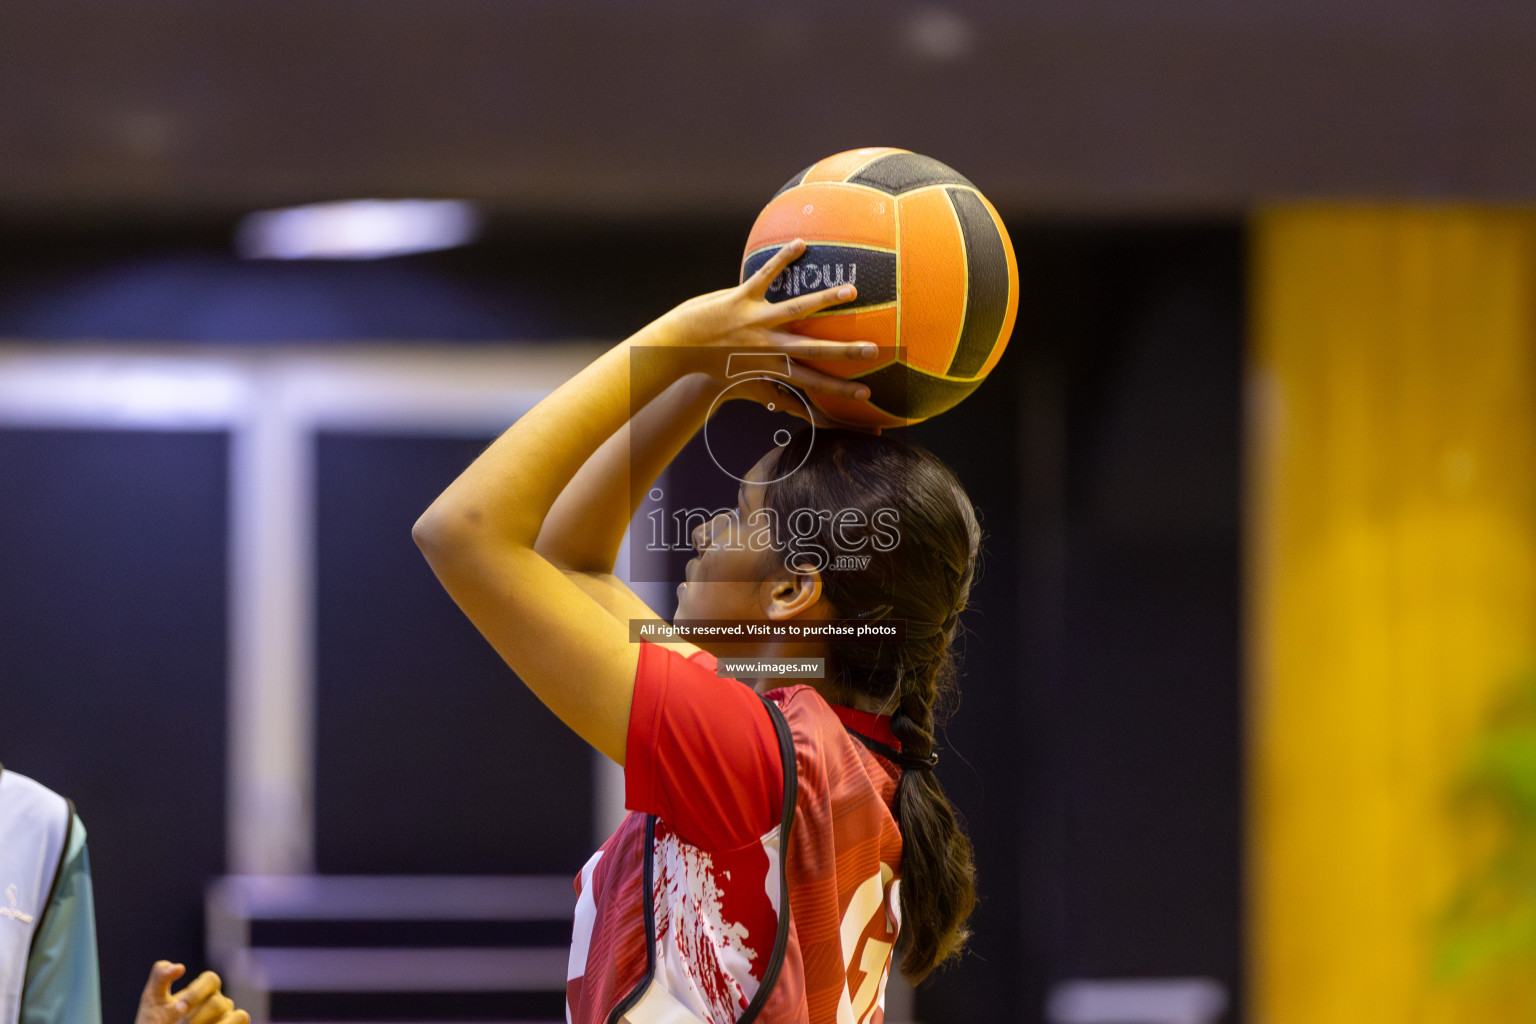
(48, 972)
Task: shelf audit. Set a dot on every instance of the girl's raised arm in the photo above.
(481, 534)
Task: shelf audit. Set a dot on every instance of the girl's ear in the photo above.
(793, 595)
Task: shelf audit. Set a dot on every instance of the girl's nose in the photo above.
(704, 533)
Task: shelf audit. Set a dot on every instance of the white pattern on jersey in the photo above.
(705, 962)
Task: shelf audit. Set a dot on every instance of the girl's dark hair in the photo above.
(923, 578)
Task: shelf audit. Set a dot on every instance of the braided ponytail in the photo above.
(925, 581)
(938, 887)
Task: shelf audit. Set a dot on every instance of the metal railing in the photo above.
(254, 971)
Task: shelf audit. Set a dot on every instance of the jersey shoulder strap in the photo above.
(786, 822)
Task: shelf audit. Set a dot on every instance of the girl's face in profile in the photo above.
(731, 577)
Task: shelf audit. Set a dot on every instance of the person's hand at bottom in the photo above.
(201, 1002)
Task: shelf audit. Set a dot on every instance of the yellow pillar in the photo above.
(1391, 588)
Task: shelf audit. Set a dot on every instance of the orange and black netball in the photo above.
(938, 284)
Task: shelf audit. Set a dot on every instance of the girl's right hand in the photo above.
(778, 396)
(702, 333)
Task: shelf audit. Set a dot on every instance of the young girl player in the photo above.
(780, 842)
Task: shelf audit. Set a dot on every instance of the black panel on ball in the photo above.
(900, 390)
(903, 172)
(986, 298)
(872, 271)
(792, 182)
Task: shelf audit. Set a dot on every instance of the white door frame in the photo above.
(272, 400)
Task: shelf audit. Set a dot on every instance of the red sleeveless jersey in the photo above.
(715, 913)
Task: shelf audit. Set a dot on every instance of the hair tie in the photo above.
(907, 762)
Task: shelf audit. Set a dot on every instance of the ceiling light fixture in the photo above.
(363, 229)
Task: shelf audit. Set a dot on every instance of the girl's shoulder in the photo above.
(824, 745)
(804, 702)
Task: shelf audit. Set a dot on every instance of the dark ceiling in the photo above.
(190, 107)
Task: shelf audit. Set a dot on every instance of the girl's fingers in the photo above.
(811, 413)
(797, 346)
(820, 419)
(758, 283)
(805, 305)
(808, 379)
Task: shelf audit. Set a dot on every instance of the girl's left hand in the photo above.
(703, 332)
